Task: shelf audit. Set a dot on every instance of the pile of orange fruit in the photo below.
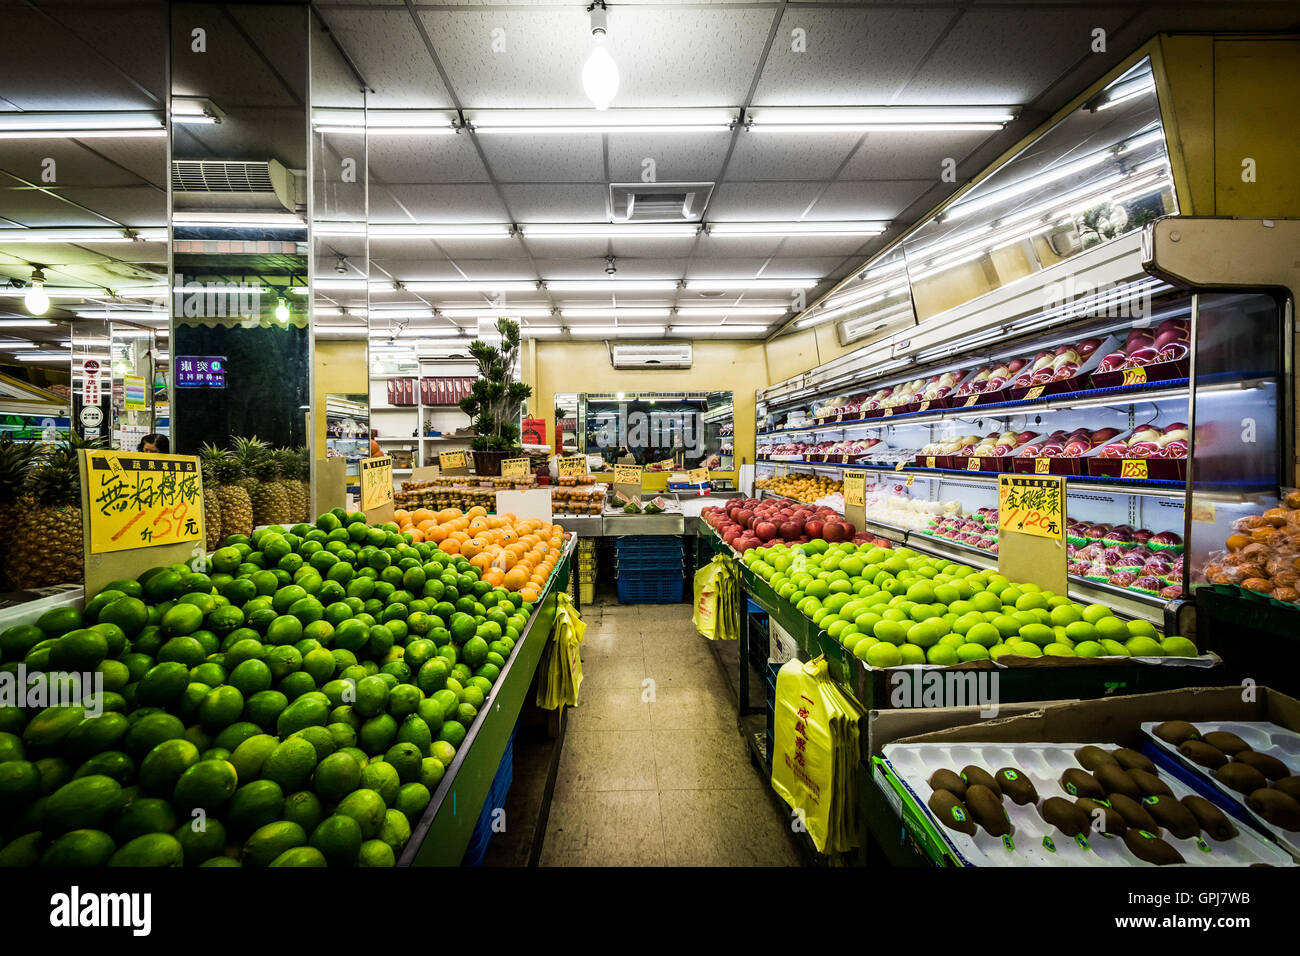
(517, 554)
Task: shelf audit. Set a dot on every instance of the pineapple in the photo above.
(251, 455)
(47, 544)
(286, 470)
(271, 504)
(232, 497)
(209, 457)
(16, 458)
(304, 484)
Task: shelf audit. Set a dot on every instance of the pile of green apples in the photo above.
(894, 607)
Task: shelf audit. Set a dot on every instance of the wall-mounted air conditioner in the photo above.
(672, 355)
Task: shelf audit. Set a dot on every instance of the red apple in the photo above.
(813, 527)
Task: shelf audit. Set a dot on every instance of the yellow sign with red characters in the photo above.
(142, 501)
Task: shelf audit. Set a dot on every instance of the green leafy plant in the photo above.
(494, 402)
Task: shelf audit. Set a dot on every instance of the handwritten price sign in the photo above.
(1031, 505)
(451, 459)
(376, 482)
(627, 475)
(697, 476)
(855, 485)
(575, 466)
(515, 468)
(142, 501)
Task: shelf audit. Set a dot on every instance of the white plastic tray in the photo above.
(1264, 737)
(1044, 763)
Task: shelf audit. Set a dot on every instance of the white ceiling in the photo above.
(78, 54)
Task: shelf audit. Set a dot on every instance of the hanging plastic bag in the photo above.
(560, 669)
(706, 599)
(717, 590)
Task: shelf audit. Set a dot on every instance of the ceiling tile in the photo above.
(424, 159)
(911, 156)
(764, 202)
(869, 200)
(444, 202)
(74, 165)
(389, 52)
(558, 202)
(687, 158)
(544, 159)
(789, 156)
(33, 207)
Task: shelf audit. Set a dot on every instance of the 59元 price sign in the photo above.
(142, 501)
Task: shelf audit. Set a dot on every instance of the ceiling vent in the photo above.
(658, 202)
(651, 356)
(204, 184)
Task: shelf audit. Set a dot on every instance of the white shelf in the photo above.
(395, 438)
(395, 408)
(460, 438)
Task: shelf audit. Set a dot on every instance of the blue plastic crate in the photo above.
(648, 544)
(651, 588)
(477, 847)
(649, 562)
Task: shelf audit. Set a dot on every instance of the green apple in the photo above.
(984, 634)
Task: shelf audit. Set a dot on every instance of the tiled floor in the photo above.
(653, 770)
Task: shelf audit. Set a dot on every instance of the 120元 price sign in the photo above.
(141, 501)
(1032, 505)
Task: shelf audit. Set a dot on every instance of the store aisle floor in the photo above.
(653, 770)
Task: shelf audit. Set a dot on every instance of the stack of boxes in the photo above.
(586, 569)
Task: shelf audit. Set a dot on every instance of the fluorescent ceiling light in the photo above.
(469, 230)
(614, 286)
(795, 229)
(45, 355)
(718, 329)
(249, 220)
(341, 331)
(124, 314)
(1127, 90)
(385, 122)
(79, 125)
(23, 323)
(715, 285)
(616, 330)
(508, 311)
(378, 315)
(602, 230)
(83, 234)
(486, 286)
(195, 110)
(686, 120)
(630, 313)
(693, 311)
(324, 284)
(864, 119)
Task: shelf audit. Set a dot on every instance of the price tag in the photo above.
(1042, 466)
(697, 476)
(1035, 392)
(142, 501)
(855, 488)
(627, 475)
(844, 459)
(888, 413)
(1203, 511)
(910, 479)
(925, 406)
(901, 465)
(377, 481)
(839, 416)
(972, 400)
(1032, 505)
(515, 467)
(574, 466)
(451, 459)
(1133, 468)
(1135, 376)
(929, 461)
(972, 464)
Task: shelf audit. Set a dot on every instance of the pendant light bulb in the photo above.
(281, 311)
(600, 73)
(37, 302)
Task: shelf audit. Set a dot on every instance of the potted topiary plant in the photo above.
(494, 400)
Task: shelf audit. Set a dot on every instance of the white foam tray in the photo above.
(1044, 763)
(1264, 737)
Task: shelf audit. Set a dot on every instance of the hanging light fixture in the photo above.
(600, 73)
(37, 302)
(281, 310)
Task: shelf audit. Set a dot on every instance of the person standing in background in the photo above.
(154, 444)
(375, 450)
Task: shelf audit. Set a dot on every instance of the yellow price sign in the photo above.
(515, 467)
(574, 466)
(925, 406)
(142, 501)
(377, 482)
(451, 459)
(1042, 466)
(929, 461)
(1135, 376)
(697, 476)
(910, 479)
(855, 488)
(1032, 505)
(1035, 392)
(972, 464)
(666, 465)
(972, 400)
(1133, 468)
(889, 413)
(627, 475)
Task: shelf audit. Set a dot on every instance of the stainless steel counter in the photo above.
(664, 524)
(585, 526)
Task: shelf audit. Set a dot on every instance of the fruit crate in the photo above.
(651, 588)
(647, 544)
(650, 562)
(587, 591)
(496, 799)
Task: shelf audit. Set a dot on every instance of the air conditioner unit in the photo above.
(209, 185)
(658, 202)
(651, 356)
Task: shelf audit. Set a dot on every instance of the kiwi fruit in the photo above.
(1016, 785)
(1150, 784)
(1176, 731)
(1080, 783)
(973, 775)
(1109, 817)
(986, 807)
(1134, 814)
(1173, 816)
(1146, 845)
(1241, 777)
(1131, 759)
(1288, 785)
(1090, 758)
(1202, 753)
(1226, 741)
(947, 780)
(1070, 819)
(1276, 807)
(1266, 764)
(1212, 820)
(1113, 779)
(951, 812)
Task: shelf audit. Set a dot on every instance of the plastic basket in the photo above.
(476, 850)
(649, 562)
(651, 588)
(588, 591)
(648, 544)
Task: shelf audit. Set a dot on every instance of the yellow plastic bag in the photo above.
(560, 669)
(815, 754)
(717, 592)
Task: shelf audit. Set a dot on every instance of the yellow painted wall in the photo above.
(340, 370)
(738, 367)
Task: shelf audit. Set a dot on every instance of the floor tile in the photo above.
(724, 828)
(703, 760)
(610, 708)
(604, 672)
(611, 828)
(702, 674)
(612, 644)
(703, 708)
(606, 760)
(692, 649)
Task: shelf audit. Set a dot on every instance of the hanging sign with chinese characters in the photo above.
(142, 501)
(200, 371)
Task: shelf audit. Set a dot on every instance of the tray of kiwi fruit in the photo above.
(1061, 804)
(1255, 763)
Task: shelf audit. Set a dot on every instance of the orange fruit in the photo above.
(435, 533)
(416, 535)
(493, 576)
(514, 579)
(476, 511)
(528, 594)
(482, 560)
(449, 546)
(471, 547)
